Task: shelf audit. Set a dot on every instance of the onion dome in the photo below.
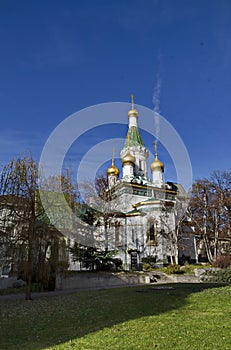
(157, 164)
(132, 111)
(128, 159)
(113, 170)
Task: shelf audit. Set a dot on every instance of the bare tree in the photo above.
(99, 199)
(176, 228)
(19, 184)
(26, 232)
(210, 210)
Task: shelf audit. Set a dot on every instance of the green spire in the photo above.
(133, 138)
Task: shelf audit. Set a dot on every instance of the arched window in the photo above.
(152, 232)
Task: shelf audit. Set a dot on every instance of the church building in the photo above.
(143, 220)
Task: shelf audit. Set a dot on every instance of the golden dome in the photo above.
(157, 164)
(113, 170)
(133, 111)
(128, 159)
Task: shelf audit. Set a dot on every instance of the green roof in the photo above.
(133, 137)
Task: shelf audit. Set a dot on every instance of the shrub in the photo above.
(222, 261)
(174, 269)
(94, 259)
(221, 276)
(188, 269)
(146, 267)
(149, 260)
(37, 287)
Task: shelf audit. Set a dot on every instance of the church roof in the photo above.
(133, 137)
(146, 202)
(152, 201)
(134, 212)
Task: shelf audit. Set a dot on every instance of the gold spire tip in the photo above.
(132, 98)
(155, 147)
(132, 111)
(113, 156)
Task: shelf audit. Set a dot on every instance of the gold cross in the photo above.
(155, 147)
(113, 155)
(132, 98)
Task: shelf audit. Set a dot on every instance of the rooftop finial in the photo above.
(132, 98)
(155, 147)
(157, 164)
(113, 170)
(113, 156)
(133, 111)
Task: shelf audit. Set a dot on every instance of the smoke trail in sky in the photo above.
(156, 103)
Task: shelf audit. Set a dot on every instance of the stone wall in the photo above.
(11, 282)
(186, 278)
(81, 280)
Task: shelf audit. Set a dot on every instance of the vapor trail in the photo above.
(156, 103)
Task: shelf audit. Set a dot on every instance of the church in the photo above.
(143, 223)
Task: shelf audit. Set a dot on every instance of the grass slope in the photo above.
(188, 316)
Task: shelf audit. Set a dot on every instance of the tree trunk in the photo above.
(29, 270)
(216, 234)
(30, 259)
(205, 236)
(176, 247)
(106, 234)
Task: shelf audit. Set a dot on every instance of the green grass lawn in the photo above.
(188, 316)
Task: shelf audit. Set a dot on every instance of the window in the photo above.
(118, 233)
(152, 232)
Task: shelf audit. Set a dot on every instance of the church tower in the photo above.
(134, 149)
(157, 169)
(112, 173)
(138, 226)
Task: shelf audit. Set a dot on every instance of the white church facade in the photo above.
(143, 210)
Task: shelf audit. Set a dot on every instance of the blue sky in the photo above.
(57, 57)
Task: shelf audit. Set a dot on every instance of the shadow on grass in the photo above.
(49, 321)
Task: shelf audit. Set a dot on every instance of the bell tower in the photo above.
(134, 144)
(112, 172)
(157, 169)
